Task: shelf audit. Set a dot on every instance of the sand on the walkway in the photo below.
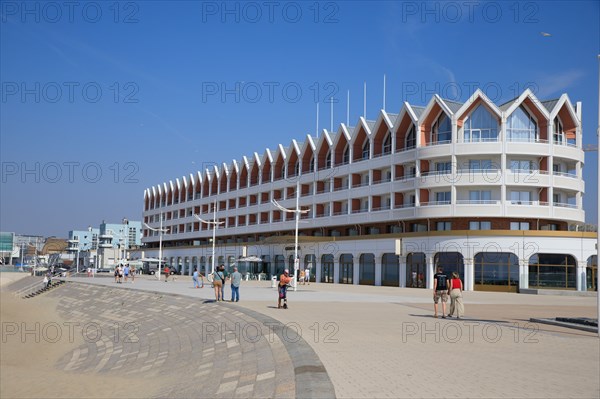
(27, 361)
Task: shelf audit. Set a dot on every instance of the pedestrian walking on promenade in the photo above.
(455, 291)
(195, 278)
(132, 272)
(126, 272)
(440, 290)
(236, 280)
(284, 280)
(167, 272)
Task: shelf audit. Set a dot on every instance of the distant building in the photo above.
(116, 240)
(83, 244)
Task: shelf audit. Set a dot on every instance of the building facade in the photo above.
(491, 191)
(116, 240)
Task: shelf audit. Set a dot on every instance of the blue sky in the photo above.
(101, 100)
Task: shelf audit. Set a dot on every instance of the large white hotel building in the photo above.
(491, 191)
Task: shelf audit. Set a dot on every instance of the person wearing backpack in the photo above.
(440, 290)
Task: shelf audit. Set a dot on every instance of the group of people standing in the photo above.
(444, 287)
(219, 277)
(124, 272)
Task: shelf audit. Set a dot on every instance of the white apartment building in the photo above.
(491, 191)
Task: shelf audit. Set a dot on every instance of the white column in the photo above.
(430, 271)
(580, 273)
(402, 270)
(469, 275)
(378, 270)
(336, 271)
(524, 273)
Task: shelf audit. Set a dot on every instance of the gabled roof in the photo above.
(453, 105)
(478, 94)
(564, 100)
(417, 110)
(389, 118)
(550, 104)
(527, 94)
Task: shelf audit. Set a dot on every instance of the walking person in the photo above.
(132, 271)
(167, 272)
(236, 280)
(225, 276)
(126, 272)
(218, 281)
(455, 291)
(307, 275)
(440, 290)
(284, 280)
(195, 278)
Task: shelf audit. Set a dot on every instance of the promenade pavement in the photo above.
(351, 341)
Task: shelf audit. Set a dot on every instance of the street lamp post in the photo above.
(161, 231)
(215, 223)
(297, 211)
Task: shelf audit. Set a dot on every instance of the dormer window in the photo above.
(480, 126)
(441, 131)
(386, 147)
(521, 126)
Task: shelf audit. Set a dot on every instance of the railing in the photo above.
(384, 180)
(381, 208)
(434, 203)
(539, 203)
(434, 143)
(526, 140)
(362, 210)
(565, 174)
(565, 205)
(478, 202)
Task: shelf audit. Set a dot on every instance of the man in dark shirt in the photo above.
(440, 290)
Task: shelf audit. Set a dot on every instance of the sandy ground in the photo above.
(28, 359)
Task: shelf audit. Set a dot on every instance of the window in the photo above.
(441, 131)
(521, 126)
(443, 167)
(416, 227)
(346, 155)
(480, 196)
(297, 168)
(519, 225)
(480, 225)
(520, 197)
(311, 164)
(366, 150)
(328, 160)
(442, 198)
(480, 126)
(443, 226)
(386, 148)
(477, 165)
(411, 138)
(559, 134)
(522, 166)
